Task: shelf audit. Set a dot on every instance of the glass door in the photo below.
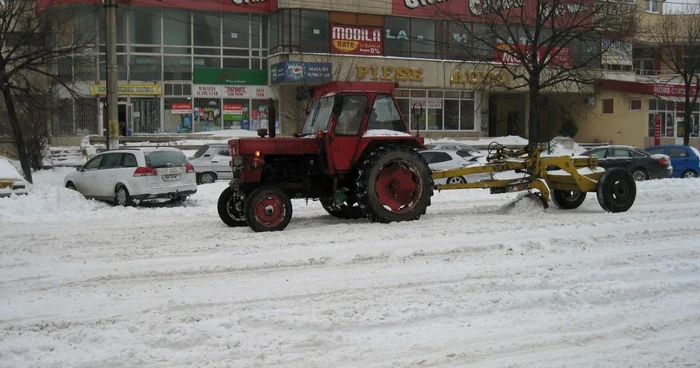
(146, 115)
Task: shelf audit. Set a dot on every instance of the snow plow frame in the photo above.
(615, 188)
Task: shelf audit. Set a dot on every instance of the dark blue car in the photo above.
(684, 159)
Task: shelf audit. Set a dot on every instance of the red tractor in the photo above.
(354, 153)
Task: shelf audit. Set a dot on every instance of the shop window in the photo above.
(651, 125)
(85, 25)
(314, 31)
(422, 38)
(177, 68)
(635, 105)
(352, 112)
(452, 114)
(273, 32)
(466, 115)
(385, 115)
(146, 117)
(265, 29)
(144, 26)
(458, 40)
(85, 68)
(177, 24)
(396, 41)
(404, 109)
(255, 31)
(177, 116)
(236, 30)
(85, 116)
(236, 114)
(207, 30)
(144, 68)
(121, 67)
(207, 114)
(608, 106)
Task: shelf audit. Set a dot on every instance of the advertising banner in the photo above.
(244, 77)
(301, 72)
(657, 129)
(670, 90)
(356, 40)
(181, 108)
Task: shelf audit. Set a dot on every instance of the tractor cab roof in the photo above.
(329, 89)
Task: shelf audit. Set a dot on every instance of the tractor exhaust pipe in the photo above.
(271, 117)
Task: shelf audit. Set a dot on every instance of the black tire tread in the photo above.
(221, 208)
(563, 203)
(604, 191)
(344, 212)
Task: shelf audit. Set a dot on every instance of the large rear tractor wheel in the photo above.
(230, 208)
(268, 209)
(345, 211)
(617, 190)
(394, 184)
(568, 199)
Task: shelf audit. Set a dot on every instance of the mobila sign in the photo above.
(354, 40)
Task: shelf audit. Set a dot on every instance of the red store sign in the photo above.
(670, 90)
(242, 6)
(356, 40)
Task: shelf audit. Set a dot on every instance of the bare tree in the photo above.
(542, 45)
(35, 36)
(678, 37)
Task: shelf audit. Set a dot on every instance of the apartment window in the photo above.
(636, 105)
(608, 106)
(653, 6)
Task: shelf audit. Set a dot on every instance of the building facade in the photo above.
(193, 66)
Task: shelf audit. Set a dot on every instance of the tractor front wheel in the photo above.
(268, 209)
(345, 211)
(617, 190)
(568, 199)
(230, 208)
(394, 184)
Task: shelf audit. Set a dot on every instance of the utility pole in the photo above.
(112, 136)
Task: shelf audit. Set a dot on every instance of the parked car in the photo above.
(139, 174)
(439, 159)
(643, 165)
(685, 159)
(11, 182)
(211, 163)
(452, 146)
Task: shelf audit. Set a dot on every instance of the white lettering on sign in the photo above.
(260, 92)
(241, 2)
(412, 4)
(208, 90)
(401, 35)
(356, 34)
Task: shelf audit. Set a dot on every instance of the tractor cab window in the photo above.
(385, 115)
(351, 114)
(319, 114)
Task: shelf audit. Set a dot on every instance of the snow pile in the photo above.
(229, 133)
(49, 203)
(564, 146)
(510, 140)
(7, 170)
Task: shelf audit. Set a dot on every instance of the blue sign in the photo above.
(300, 71)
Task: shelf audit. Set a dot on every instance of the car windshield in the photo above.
(201, 151)
(158, 159)
(319, 114)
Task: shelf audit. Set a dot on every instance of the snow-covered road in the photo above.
(85, 284)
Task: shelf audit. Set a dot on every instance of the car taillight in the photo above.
(145, 171)
(189, 168)
(663, 161)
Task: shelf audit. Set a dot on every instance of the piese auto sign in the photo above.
(355, 40)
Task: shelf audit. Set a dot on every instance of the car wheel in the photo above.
(70, 186)
(640, 174)
(689, 174)
(207, 178)
(122, 197)
(456, 180)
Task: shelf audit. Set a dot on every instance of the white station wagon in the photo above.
(128, 176)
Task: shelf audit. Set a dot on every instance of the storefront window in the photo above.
(144, 68)
(177, 24)
(207, 29)
(458, 41)
(237, 30)
(466, 115)
(146, 115)
(452, 115)
(144, 26)
(84, 25)
(396, 38)
(208, 62)
(236, 113)
(177, 116)
(273, 29)
(177, 68)
(422, 38)
(121, 67)
(121, 26)
(314, 31)
(85, 68)
(207, 114)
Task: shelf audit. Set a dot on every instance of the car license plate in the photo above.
(171, 177)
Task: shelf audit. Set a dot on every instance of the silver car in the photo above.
(211, 163)
(445, 159)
